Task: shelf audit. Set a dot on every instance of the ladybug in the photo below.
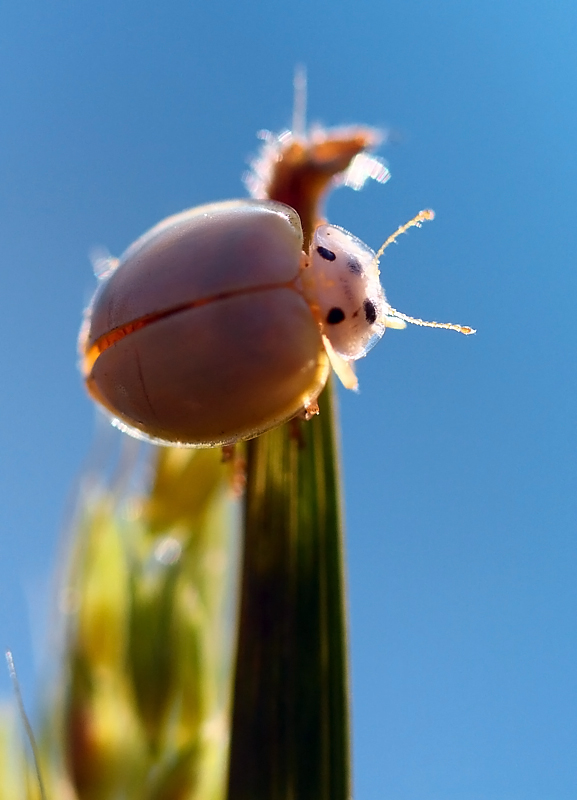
(215, 326)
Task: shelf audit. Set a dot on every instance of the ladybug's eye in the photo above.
(335, 316)
(370, 312)
(325, 253)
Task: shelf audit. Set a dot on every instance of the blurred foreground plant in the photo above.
(170, 688)
(144, 708)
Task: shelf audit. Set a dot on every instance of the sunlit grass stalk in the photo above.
(290, 722)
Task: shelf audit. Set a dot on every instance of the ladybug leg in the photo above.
(234, 456)
(310, 410)
(296, 430)
(343, 368)
(228, 452)
(239, 473)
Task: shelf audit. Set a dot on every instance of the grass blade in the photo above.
(290, 718)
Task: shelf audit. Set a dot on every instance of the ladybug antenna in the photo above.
(299, 125)
(395, 319)
(416, 222)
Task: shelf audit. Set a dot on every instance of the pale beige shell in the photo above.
(202, 336)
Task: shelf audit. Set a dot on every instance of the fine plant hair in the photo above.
(26, 723)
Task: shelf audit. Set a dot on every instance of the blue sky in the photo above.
(459, 453)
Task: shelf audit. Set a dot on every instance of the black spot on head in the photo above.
(354, 266)
(335, 316)
(325, 253)
(370, 312)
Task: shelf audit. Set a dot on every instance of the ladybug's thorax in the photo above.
(342, 286)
